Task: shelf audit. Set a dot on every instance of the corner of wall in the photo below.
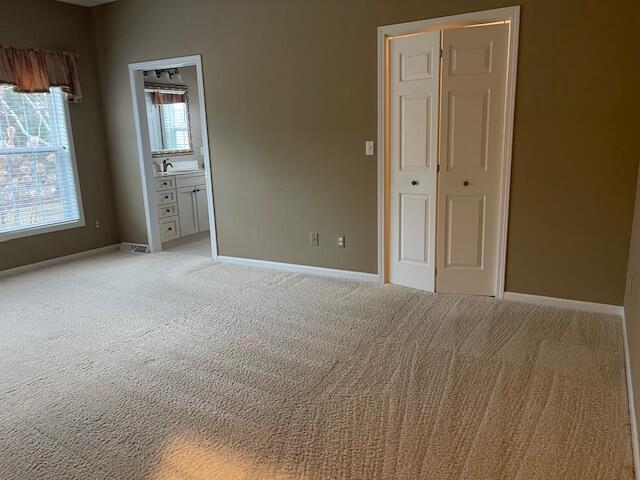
(631, 328)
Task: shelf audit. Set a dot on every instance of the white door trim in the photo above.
(509, 14)
(144, 145)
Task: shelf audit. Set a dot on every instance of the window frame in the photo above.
(164, 128)
(56, 227)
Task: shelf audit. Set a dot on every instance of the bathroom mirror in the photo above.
(169, 123)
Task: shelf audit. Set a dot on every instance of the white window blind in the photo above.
(38, 188)
(175, 127)
(168, 125)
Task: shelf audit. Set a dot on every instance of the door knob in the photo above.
(414, 182)
(465, 183)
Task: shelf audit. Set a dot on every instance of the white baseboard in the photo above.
(565, 303)
(631, 398)
(292, 267)
(58, 260)
(632, 405)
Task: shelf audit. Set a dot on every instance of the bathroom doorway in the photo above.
(173, 155)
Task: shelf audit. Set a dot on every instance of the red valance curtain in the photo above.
(37, 70)
(163, 98)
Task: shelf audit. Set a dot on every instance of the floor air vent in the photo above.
(134, 248)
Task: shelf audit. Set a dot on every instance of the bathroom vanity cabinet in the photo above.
(182, 204)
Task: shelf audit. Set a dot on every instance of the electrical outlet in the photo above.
(315, 239)
(341, 241)
(97, 223)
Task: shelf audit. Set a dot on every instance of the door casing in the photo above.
(144, 145)
(510, 15)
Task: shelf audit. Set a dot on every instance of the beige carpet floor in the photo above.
(170, 366)
(199, 246)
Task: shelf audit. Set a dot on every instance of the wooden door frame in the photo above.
(385, 33)
(144, 145)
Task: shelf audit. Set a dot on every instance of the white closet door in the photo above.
(474, 74)
(413, 97)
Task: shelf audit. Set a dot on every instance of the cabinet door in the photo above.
(187, 211)
(203, 210)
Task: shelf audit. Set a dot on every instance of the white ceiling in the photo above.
(87, 3)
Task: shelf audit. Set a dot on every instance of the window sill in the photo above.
(29, 232)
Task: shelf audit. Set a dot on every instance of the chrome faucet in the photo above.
(166, 164)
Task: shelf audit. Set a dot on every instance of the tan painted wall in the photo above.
(632, 303)
(291, 97)
(58, 26)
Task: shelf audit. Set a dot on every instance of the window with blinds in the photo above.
(175, 126)
(38, 189)
(168, 126)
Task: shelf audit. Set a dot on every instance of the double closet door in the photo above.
(447, 93)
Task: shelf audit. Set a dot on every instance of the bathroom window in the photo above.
(39, 189)
(168, 116)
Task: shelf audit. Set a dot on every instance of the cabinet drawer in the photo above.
(190, 180)
(165, 183)
(169, 229)
(166, 197)
(167, 210)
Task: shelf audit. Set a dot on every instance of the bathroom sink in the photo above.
(178, 172)
(179, 167)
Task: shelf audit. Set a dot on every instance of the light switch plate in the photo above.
(369, 147)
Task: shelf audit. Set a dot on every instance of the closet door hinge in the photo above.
(441, 53)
